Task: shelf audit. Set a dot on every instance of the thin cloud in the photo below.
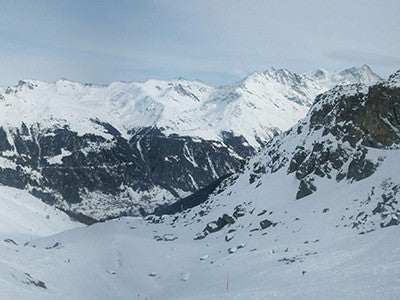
(238, 72)
(360, 57)
(134, 40)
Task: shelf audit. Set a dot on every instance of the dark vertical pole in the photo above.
(227, 280)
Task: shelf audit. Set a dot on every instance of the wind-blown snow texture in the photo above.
(126, 148)
(342, 229)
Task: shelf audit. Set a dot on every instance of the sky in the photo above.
(217, 42)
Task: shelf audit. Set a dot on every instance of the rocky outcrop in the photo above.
(336, 137)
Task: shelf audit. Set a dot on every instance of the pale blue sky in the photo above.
(216, 41)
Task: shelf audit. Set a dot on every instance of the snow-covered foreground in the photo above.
(120, 259)
(83, 267)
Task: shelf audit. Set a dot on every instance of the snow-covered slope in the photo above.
(122, 260)
(126, 148)
(322, 198)
(22, 214)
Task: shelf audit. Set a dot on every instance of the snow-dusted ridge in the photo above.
(256, 107)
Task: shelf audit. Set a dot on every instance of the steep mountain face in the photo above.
(126, 148)
(339, 137)
(316, 209)
(341, 158)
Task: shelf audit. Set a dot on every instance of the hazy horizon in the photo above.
(214, 42)
(189, 79)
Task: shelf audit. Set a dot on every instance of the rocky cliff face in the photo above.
(336, 139)
(350, 140)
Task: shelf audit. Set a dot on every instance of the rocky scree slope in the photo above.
(337, 168)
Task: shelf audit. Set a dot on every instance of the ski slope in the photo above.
(121, 258)
(22, 214)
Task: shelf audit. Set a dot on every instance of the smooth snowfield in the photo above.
(23, 214)
(108, 261)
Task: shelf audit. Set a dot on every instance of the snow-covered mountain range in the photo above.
(313, 215)
(256, 107)
(129, 147)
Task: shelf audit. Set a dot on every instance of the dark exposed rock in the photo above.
(262, 212)
(392, 222)
(4, 144)
(215, 226)
(229, 237)
(220, 223)
(266, 223)
(170, 159)
(239, 211)
(31, 281)
(306, 188)
(361, 120)
(290, 260)
(191, 201)
(360, 168)
(56, 245)
(232, 250)
(240, 246)
(238, 143)
(10, 241)
(385, 212)
(369, 118)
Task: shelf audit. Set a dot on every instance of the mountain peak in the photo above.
(269, 101)
(318, 73)
(362, 74)
(277, 72)
(366, 67)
